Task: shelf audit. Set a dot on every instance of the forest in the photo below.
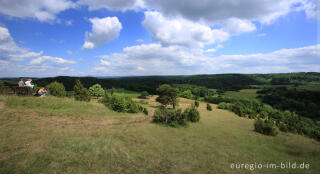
(226, 82)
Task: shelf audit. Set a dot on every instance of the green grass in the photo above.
(244, 93)
(59, 135)
(126, 93)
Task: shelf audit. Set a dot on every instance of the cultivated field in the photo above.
(60, 135)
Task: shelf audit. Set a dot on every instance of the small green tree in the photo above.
(144, 94)
(192, 114)
(81, 93)
(56, 89)
(266, 127)
(209, 108)
(96, 90)
(167, 95)
(196, 103)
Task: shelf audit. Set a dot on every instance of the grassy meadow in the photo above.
(61, 135)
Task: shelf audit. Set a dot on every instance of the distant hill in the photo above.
(215, 81)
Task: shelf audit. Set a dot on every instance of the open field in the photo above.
(60, 135)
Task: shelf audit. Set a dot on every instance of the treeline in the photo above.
(303, 102)
(289, 78)
(224, 82)
(150, 83)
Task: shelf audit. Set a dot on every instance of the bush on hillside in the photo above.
(117, 103)
(224, 105)
(122, 104)
(144, 94)
(283, 127)
(96, 90)
(170, 117)
(196, 103)
(209, 108)
(192, 114)
(131, 106)
(56, 89)
(145, 111)
(266, 127)
(238, 109)
(81, 93)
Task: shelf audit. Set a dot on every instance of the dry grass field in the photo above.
(60, 135)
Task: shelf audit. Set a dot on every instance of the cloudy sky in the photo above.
(41, 38)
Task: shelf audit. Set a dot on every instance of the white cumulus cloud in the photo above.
(7, 44)
(178, 31)
(265, 11)
(103, 31)
(13, 57)
(237, 26)
(151, 59)
(46, 59)
(43, 10)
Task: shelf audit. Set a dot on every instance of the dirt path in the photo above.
(1, 105)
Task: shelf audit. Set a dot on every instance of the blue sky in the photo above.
(41, 38)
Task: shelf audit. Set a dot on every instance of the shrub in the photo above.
(176, 117)
(159, 115)
(56, 89)
(238, 109)
(283, 127)
(131, 106)
(315, 134)
(266, 127)
(258, 125)
(192, 114)
(145, 111)
(144, 94)
(196, 103)
(224, 105)
(170, 117)
(81, 93)
(117, 103)
(293, 122)
(122, 104)
(209, 108)
(96, 90)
